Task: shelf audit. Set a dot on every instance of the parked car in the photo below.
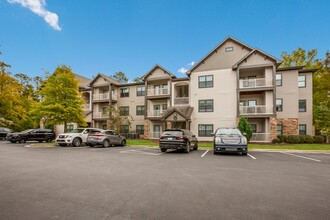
(31, 135)
(4, 132)
(106, 138)
(180, 139)
(229, 140)
(76, 137)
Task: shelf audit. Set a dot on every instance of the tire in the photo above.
(13, 142)
(163, 149)
(244, 154)
(187, 149)
(91, 145)
(123, 143)
(196, 146)
(48, 140)
(106, 143)
(62, 145)
(22, 140)
(40, 141)
(76, 142)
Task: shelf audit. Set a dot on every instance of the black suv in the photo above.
(31, 135)
(180, 139)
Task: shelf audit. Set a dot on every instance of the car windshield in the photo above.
(77, 130)
(172, 133)
(26, 131)
(228, 131)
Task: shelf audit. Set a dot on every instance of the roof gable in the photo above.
(106, 78)
(154, 69)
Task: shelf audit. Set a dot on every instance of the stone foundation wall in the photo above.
(273, 128)
(168, 125)
(146, 128)
(290, 125)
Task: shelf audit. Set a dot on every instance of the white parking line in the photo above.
(307, 158)
(205, 153)
(252, 156)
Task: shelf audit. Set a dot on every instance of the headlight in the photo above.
(218, 140)
(244, 140)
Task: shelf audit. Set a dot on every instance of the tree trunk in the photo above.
(65, 126)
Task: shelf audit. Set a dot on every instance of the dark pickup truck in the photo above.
(31, 135)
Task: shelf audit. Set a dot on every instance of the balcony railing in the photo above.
(154, 135)
(155, 92)
(155, 113)
(101, 96)
(260, 137)
(100, 115)
(255, 83)
(181, 101)
(254, 110)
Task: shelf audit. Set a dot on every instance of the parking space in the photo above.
(143, 183)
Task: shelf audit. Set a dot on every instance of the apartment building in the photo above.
(232, 80)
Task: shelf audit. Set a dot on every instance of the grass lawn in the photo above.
(209, 145)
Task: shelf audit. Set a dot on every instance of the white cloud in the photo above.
(182, 70)
(191, 63)
(39, 7)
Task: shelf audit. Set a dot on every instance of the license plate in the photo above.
(169, 138)
(231, 149)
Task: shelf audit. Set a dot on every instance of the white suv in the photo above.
(75, 137)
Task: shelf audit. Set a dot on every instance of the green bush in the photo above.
(302, 139)
(318, 139)
(282, 138)
(309, 139)
(293, 139)
(276, 141)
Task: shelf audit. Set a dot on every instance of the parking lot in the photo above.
(144, 183)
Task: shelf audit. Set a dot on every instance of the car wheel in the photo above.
(123, 143)
(196, 146)
(244, 154)
(76, 142)
(187, 149)
(62, 145)
(40, 141)
(48, 140)
(106, 143)
(91, 145)
(13, 142)
(22, 140)
(163, 149)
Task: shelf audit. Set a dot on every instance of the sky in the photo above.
(107, 36)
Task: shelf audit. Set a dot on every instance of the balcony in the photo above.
(155, 113)
(260, 137)
(101, 96)
(181, 101)
(255, 83)
(255, 110)
(100, 115)
(157, 92)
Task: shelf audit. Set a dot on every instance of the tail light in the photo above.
(96, 135)
(179, 137)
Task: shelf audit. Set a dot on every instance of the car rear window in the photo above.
(172, 133)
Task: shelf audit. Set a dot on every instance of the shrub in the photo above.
(293, 139)
(245, 127)
(302, 139)
(309, 139)
(276, 141)
(282, 138)
(318, 139)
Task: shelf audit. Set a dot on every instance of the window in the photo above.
(124, 129)
(205, 105)
(278, 79)
(140, 129)
(205, 81)
(301, 81)
(229, 49)
(140, 110)
(254, 128)
(302, 129)
(279, 129)
(69, 127)
(124, 111)
(164, 106)
(124, 92)
(279, 105)
(302, 105)
(140, 91)
(104, 126)
(165, 89)
(205, 130)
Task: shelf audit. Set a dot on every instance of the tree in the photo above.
(245, 127)
(321, 81)
(120, 77)
(137, 80)
(61, 101)
(115, 118)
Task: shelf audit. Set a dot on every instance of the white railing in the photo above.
(101, 96)
(260, 137)
(155, 113)
(154, 135)
(258, 109)
(155, 92)
(255, 83)
(100, 114)
(181, 101)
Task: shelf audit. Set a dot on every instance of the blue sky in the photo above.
(106, 36)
